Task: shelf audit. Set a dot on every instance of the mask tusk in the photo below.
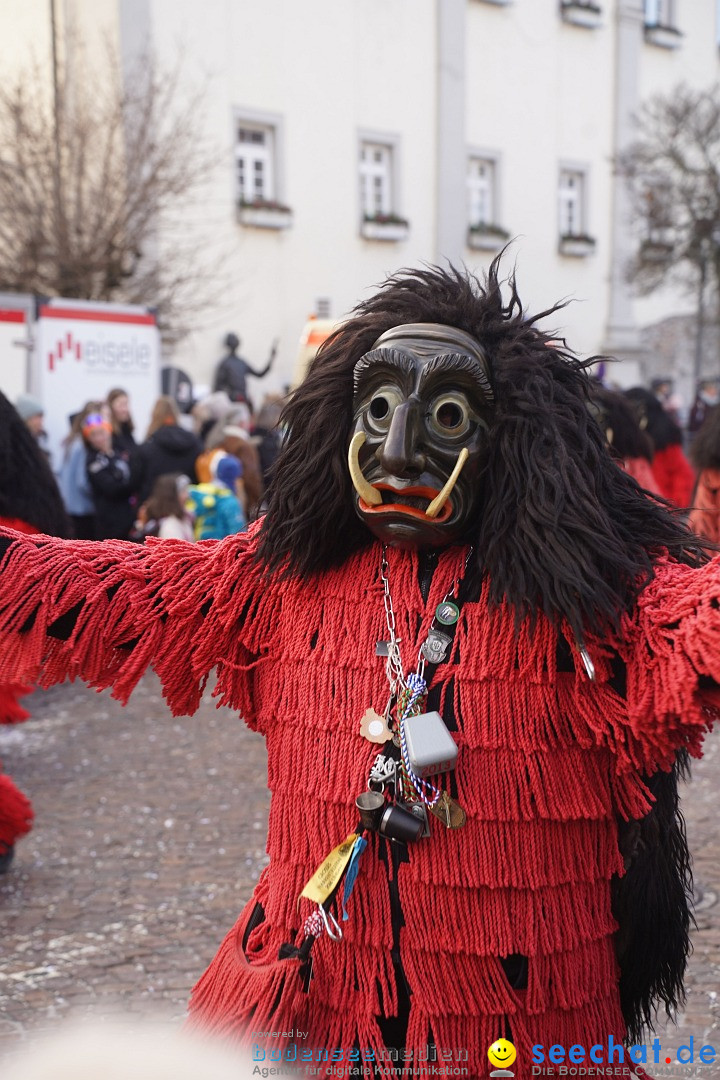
(364, 489)
(439, 501)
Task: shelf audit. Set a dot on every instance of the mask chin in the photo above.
(409, 528)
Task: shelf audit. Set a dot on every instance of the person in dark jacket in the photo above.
(29, 497)
(267, 435)
(706, 398)
(168, 448)
(109, 476)
(123, 440)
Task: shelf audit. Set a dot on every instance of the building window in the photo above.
(573, 213)
(572, 202)
(254, 155)
(660, 26)
(376, 179)
(586, 13)
(482, 192)
(379, 185)
(659, 13)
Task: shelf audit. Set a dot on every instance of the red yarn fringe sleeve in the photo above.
(105, 612)
(673, 690)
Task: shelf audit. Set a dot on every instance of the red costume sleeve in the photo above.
(105, 612)
(675, 475)
(704, 517)
(673, 667)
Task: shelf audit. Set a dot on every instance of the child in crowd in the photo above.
(215, 505)
(164, 513)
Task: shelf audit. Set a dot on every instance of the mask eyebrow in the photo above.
(396, 358)
(454, 363)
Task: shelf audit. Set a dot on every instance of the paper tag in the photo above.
(374, 727)
(328, 874)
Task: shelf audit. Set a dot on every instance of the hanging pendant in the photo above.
(449, 812)
(373, 727)
(447, 613)
(435, 647)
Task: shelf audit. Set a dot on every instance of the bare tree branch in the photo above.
(87, 180)
(672, 172)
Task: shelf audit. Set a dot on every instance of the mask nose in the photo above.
(399, 454)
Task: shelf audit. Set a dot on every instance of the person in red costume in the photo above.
(629, 444)
(673, 472)
(29, 503)
(704, 517)
(477, 651)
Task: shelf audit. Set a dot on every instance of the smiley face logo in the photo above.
(502, 1054)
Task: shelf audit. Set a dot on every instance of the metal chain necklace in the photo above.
(409, 692)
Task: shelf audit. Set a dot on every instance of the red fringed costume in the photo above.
(16, 812)
(547, 761)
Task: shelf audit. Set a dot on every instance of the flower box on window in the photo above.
(656, 250)
(578, 246)
(384, 227)
(581, 13)
(665, 37)
(264, 214)
(484, 237)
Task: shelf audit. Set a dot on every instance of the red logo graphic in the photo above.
(65, 347)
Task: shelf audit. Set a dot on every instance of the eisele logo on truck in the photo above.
(102, 353)
(84, 350)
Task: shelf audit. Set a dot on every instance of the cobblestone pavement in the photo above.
(149, 837)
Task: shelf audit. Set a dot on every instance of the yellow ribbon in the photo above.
(331, 869)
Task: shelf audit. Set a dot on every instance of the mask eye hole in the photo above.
(450, 415)
(381, 407)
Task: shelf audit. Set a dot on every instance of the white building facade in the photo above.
(360, 136)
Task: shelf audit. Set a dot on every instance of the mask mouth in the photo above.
(384, 498)
(412, 501)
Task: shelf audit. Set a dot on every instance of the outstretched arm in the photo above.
(271, 359)
(105, 612)
(673, 661)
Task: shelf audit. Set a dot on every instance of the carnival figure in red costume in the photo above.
(475, 648)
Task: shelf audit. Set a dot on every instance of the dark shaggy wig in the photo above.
(655, 419)
(705, 448)
(561, 528)
(28, 490)
(652, 905)
(616, 413)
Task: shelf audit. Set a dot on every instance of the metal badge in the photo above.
(435, 646)
(447, 613)
(382, 772)
(449, 812)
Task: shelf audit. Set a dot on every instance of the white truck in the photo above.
(67, 352)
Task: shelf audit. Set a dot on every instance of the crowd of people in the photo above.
(207, 475)
(200, 477)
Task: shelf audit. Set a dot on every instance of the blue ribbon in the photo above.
(352, 872)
